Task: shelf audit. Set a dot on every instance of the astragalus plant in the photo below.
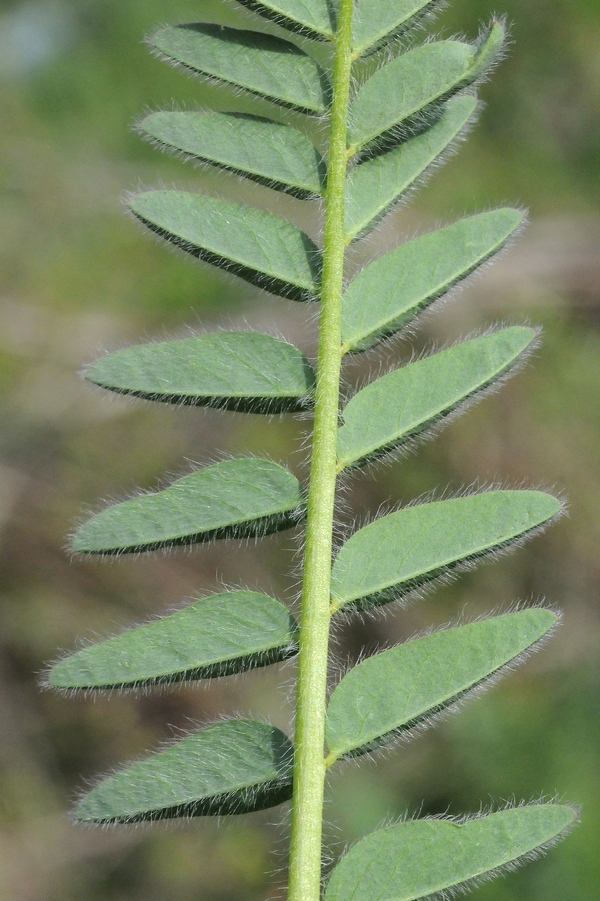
(389, 108)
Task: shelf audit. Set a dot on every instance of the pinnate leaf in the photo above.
(394, 289)
(313, 18)
(378, 20)
(259, 247)
(376, 184)
(396, 690)
(399, 406)
(267, 152)
(217, 636)
(233, 767)
(235, 498)
(232, 370)
(414, 82)
(418, 858)
(399, 552)
(259, 63)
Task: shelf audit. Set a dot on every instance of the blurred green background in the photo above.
(77, 277)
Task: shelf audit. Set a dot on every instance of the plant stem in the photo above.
(309, 765)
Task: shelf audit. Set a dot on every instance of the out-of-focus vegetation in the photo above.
(77, 277)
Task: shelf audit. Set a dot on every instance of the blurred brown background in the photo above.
(77, 277)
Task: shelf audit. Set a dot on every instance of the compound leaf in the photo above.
(217, 636)
(394, 289)
(233, 499)
(267, 152)
(376, 21)
(399, 406)
(231, 370)
(259, 247)
(394, 691)
(404, 550)
(233, 767)
(414, 83)
(313, 18)
(262, 64)
(418, 858)
(376, 184)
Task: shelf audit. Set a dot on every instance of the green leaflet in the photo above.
(259, 247)
(376, 184)
(267, 152)
(259, 63)
(389, 412)
(232, 370)
(399, 552)
(408, 86)
(234, 499)
(313, 18)
(233, 767)
(217, 636)
(421, 857)
(394, 691)
(404, 282)
(378, 20)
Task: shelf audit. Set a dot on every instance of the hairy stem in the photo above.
(309, 765)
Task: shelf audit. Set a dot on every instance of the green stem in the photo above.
(309, 765)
